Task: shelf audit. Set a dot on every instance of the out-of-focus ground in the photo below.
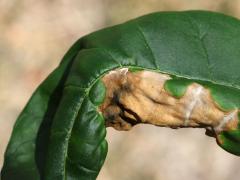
(34, 35)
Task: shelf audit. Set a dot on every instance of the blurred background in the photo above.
(34, 36)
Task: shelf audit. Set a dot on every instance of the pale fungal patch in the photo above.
(226, 120)
(122, 71)
(196, 98)
(140, 97)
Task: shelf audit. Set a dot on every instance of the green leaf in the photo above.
(60, 133)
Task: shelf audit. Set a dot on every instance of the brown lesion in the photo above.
(140, 97)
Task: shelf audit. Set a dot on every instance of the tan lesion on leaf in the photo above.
(140, 97)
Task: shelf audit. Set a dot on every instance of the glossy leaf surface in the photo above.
(60, 133)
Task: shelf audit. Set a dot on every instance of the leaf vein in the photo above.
(147, 44)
